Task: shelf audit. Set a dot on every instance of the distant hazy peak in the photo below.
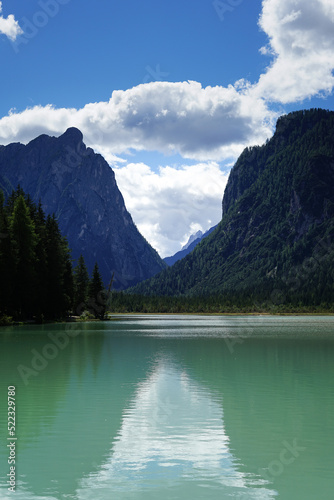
(192, 238)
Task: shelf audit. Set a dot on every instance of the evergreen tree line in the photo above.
(38, 281)
(239, 303)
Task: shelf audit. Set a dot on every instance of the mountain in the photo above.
(79, 187)
(275, 239)
(188, 247)
(192, 238)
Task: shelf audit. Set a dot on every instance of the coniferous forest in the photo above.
(38, 281)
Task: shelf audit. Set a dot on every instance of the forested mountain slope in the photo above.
(275, 240)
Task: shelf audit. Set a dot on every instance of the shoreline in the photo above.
(222, 314)
(116, 315)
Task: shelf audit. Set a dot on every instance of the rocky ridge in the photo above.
(79, 187)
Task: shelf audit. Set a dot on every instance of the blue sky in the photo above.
(88, 50)
(152, 85)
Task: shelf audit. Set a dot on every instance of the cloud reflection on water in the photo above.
(173, 437)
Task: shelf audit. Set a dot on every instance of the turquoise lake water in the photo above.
(170, 407)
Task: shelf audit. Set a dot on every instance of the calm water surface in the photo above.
(171, 407)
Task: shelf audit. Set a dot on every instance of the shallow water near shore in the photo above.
(170, 407)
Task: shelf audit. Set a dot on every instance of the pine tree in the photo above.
(68, 286)
(42, 266)
(81, 282)
(6, 261)
(24, 241)
(96, 294)
(13, 197)
(57, 256)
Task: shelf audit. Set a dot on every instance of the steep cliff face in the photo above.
(278, 221)
(80, 188)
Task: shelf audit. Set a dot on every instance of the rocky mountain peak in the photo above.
(80, 188)
(72, 137)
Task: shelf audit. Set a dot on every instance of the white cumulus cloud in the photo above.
(301, 40)
(9, 27)
(171, 204)
(209, 123)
